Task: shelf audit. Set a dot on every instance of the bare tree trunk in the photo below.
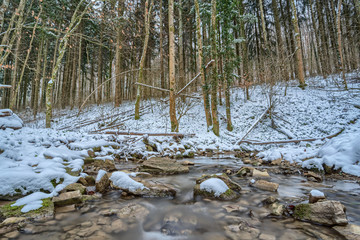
(214, 81)
(162, 76)
(181, 50)
(201, 67)
(338, 25)
(118, 83)
(148, 9)
(173, 120)
(298, 47)
(36, 82)
(263, 23)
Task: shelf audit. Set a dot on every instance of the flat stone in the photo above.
(265, 185)
(324, 212)
(65, 209)
(13, 234)
(314, 199)
(259, 174)
(350, 231)
(133, 210)
(186, 162)
(67, 198)
(75, 187)
(12, 220)
(118, 226)
(264, 236)
(312, 175)
(164, 166)
(230, 208)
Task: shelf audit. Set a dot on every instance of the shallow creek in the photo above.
(113, 217)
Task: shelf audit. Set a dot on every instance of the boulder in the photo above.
(245, 171)
(277, 209)
(166, 166)
(221, 189)
(325, 212)
(350, 231)
(67, 198)
(265, 185)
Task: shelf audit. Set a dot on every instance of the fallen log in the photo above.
(254, 125)
(148, 134)
(255, 142)
(164, 90)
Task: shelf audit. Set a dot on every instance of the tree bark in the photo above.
(338, 25)
(201, 68)
(298, 46)
(148, 9)
(172, 83)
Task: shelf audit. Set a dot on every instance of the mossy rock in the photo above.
(75, 187)
(47, 210)
(229, 195)
(302, 211)
(231, 184)
(164, 166)
(56, 182)
(89, 160)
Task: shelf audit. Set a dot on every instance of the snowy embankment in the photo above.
(35, 159)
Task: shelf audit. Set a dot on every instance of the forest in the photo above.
(173, 119)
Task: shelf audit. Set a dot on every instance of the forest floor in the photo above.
(44, 161)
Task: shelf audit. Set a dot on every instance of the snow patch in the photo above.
(122, 180)
(214, 185)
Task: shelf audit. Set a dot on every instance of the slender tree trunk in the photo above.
(44, 77)
(214, 77)
(3, 8)
(244, 52)
(36, 82)
(118, 82)
(298, 46)
(148, 9)
(162, 76)
(263, 23)
(173, 120)
(201, 67)
(181, 50)
(338, 25)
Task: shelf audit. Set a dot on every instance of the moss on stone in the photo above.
(302, 211)
(15, 211)
(55, 182)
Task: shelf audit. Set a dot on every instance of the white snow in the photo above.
(214, 185)
(90, 144)
(100, 174)
(317, 193)
(123, 181)
(32, 201)
(12, 121)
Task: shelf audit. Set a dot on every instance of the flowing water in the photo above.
(117, 217)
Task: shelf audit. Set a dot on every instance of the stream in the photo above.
(115, 216)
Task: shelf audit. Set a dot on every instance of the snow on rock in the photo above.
(214, 185)
(12, 121)
(35, 159)
(100, 174)
(317, 193)
(90, 144)
(32, 201)
(123, 181)
(341, 152)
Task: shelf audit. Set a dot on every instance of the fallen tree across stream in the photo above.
(148, 134)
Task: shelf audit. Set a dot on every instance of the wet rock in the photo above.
(245, 171)
(90, 180)
(350, 231)
(103, 221)
(243, 230)
(178, 223)
(276, 162)
(264, 236)
(265, 185)
(118, 226)
(103, 184)
(135, 211)
(277, 209)
(12, 235)
(311, 176)
(325, 212)
(82, 181)
(269, 200)
(75, 187)
(186, 162)
(260, 174)
(93, 165)
(315, 196)
(234, 208)
(65, 209)
(230, 194)
(108, 212)
(12, 220)
(87, 231)
(164, 166)
(67, 198)
(156, 190)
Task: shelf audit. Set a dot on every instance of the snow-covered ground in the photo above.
(33, 157)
